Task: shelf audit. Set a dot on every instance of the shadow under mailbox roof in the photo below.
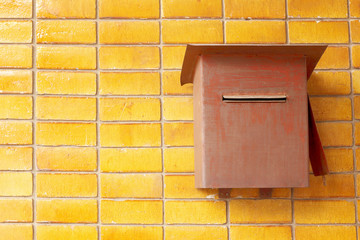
(312, 52)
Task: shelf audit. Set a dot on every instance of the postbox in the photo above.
(253, 125)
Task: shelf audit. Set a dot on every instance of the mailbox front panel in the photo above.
(252, 118)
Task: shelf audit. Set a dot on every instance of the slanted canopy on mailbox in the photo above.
(253, 125)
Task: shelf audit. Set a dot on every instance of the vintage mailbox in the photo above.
(253, 127)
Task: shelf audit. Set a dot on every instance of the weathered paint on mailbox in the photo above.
(251, 122)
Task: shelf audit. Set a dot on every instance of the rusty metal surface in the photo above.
(244, 145)
(316, 151)
(312, 52)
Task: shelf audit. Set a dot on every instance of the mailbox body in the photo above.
(251, 140)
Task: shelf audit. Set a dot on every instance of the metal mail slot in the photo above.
(254, 98)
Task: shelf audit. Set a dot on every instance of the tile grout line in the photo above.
(34, 94)
(183, 224)
(353, 119)
(98, 172)
(227, 200)
(156, 70)
(162, 119)
(68, 172)
(143, 96)
(112, 19)
(293, 223)
(192, 200)
(62, 121)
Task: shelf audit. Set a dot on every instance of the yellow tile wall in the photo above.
(96, 132)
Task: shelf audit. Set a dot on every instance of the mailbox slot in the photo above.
(254, 98)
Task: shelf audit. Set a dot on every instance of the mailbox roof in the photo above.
(312, 52)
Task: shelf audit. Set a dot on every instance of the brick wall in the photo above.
(96, 132)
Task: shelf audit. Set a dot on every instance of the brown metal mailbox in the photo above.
(251, 115)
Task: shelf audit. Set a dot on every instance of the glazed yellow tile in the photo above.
(172, 86)
(16, 210)
(354, 8)
(129, 83)
(179, 159)
(16, 231)
(130, 135)
(66, 210)
(179, 134)
(65, 57)
(129, 9)
(325, 232)
(334, 58)
(66, 108)
(129, 57)
(262, 232)
(129, 109)
(66, 31)
(339, 159)
(195, 232)
(16, 107)
(337, 186)
(355, 31)
(130, 160)
(65, 9)
(16, 56)
(356, 81)
(173, 56)
(131, 185)
(358, 211)
(318, 9)
(324, 211)
(329, 83)
(16, 158)
(77, 83)
(15, 81)
(16, 184)
(82, 134)
(16, 8)
(66, 158)
(178, 108)
(192, 9)
(15, 31)
(330, 108)
(129, 32)
(180, 186)
(335, 134)
(260, 211)
(195, 212)
(357, 107)
(255, 9)
(66, 185)
(318, 32)
(192, 31)
(15, 132)
(131, 232)
(255, 32)
(132, 211)
(357, 156)
(357, 133)
(355, 56)
(59, 232)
